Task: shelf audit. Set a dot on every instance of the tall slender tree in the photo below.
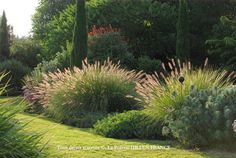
(4, 38)
(80, 36)
(183, 41)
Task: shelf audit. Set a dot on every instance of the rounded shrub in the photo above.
(100, 87)
(25, 50)
(204, 118)
(131, 124)
(61, 61)
(16, 71)
(106, 42)
(163, 91)
(148, 65)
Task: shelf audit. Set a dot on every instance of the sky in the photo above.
(19, 14)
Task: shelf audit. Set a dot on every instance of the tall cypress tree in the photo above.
(80, 36)
(4, 38)
(183, 42)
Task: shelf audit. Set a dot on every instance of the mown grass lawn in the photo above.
(61, 136)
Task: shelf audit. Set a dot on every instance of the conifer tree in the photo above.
(182, 41)
(4, 38)
(80, 36)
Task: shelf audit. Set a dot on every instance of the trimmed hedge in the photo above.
(131, 124)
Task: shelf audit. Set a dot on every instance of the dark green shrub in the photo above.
(61, 61)
(107, 42)
(148, 25)
(183, 35)
(204, 118)
(17, 71)
(131, 124)
(148, 65)
(26, 51)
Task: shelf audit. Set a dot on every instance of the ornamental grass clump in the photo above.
(98, 88)
(163, 91)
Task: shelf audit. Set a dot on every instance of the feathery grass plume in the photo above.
(162, 91)
(99, 87)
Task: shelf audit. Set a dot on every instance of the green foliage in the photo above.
(158, 39)
(224, 114)
(162, 91)
(203, 16)
(222, 45)
(17, 71)
(61, 61)
(98, 87)
(131, 124)
(82, 120)
(80, 35)
(45, 13)
(148, 65)
(25, 50)
(14, 141)
(183, 40)
(4, 38)
(149, 26)
(60, 30)
(190, 121)
(204, 117)
(108, 44)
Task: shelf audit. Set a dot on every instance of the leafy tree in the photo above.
(202, 17)
(61, 30)
(80, 36)
(147, 27)
(222, 45)
(182, 41)
(4, 38)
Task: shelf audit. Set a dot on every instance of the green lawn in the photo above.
(59, 137)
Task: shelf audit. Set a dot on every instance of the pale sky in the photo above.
(19, 14)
